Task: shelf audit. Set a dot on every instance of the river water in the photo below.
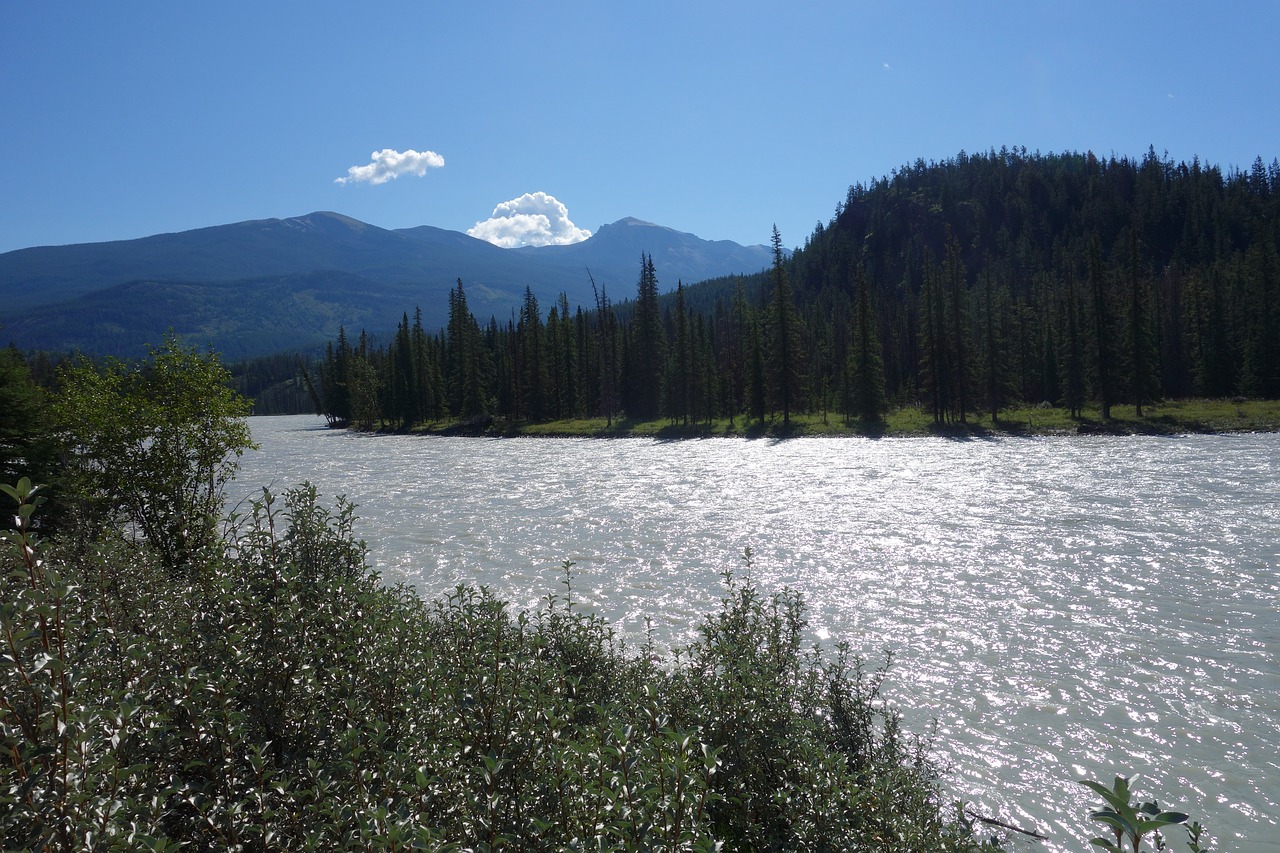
(1064, 608)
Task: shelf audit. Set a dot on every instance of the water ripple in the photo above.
(1063, 608)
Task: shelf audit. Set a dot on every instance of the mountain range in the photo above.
(271, 285)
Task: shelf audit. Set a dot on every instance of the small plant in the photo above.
(1132, 821)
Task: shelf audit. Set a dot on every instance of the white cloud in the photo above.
(389, 164)
(533, 219)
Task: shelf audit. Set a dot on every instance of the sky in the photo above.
(526, 123)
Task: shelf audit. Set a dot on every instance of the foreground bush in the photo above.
(276, 696)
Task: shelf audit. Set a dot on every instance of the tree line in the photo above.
(963, 287)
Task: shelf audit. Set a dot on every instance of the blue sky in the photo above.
(119, 120)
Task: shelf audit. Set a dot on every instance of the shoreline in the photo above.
(1168, 418)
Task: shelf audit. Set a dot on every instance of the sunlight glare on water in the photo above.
(1063, 608)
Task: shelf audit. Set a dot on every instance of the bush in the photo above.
(275, 695)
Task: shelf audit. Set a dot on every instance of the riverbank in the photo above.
(1173, 417)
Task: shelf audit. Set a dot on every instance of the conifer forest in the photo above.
(961, 287)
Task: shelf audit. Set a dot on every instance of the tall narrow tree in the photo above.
(864, 372)
(1143, 381)
(1102, 343)
(784, 335)
(647, 347)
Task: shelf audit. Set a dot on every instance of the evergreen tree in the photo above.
(1211, 363)
(706, 388)
(1050, 378)
(464, 360)
(957, 290)
(736, 349)
(995, 353)
(1260, 368)
(680, 375)
(404, 380)
(647, 347)
(1073, 381)
(864, 371)
(426, 371)
(337, 395)
(936, 372)
(784, 336)
(607, 335)
(1102, 343)
(757, 378)
(1143, 381)
(532, 368)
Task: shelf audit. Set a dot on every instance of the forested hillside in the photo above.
(964, 286)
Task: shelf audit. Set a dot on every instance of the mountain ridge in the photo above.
(56, 296)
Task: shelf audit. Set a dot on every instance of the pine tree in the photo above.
(1072, 353)
(1143, 381)
(465, 360)
(995, 343)
(864, 371)
(957, 289)
(936, 372)
(680, 376)
(784, 336)
(757, 377)
(647, 347)
(1050, 379)
(532, 365)
(607, 335)
(1102, 343)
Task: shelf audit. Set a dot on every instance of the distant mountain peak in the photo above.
(323, 218)
(631, 221)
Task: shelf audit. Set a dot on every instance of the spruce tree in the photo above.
(1072, 353)
(1144, 384)
(648, 345)
(864, 371)
(995, 343)
(784, 335)
(1102, 344)
(957, 291)
(680, 376)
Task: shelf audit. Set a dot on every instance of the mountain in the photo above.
(268, 285)
(676, 255)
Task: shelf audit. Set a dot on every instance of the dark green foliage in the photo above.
(1144, 384)
(648, 347)
(27, 445)
(996, 362)
(1103, 334)
(151, 446)
(784, 337)
(682, 378)
(864, 371)
(1073, 384)
(466, 361)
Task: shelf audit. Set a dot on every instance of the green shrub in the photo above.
(275, 695)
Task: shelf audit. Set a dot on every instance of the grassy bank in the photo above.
(1171, 417)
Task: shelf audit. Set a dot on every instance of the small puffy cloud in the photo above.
(533, 219)
(389, 164)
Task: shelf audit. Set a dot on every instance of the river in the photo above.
(1064, 608)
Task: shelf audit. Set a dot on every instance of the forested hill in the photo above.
(1180, 255)
(991, 279)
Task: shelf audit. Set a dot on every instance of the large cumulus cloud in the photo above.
(533, 219)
